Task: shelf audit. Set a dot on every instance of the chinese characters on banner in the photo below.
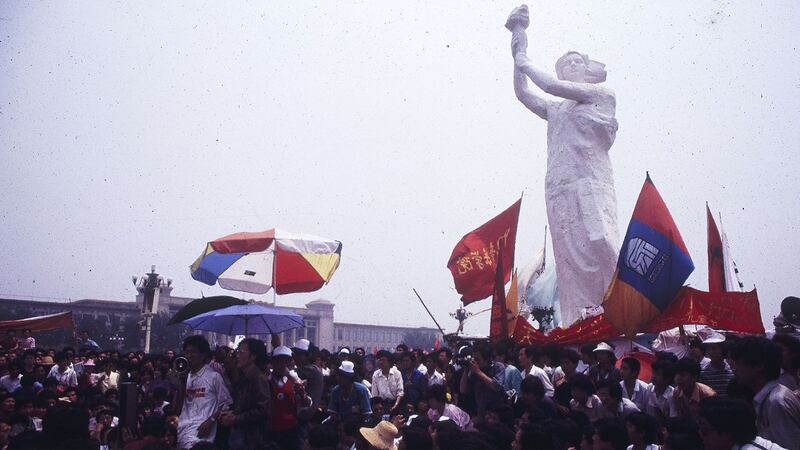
(474, 259)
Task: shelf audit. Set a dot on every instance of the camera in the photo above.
(181, 364)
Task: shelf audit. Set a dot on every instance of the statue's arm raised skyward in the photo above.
(572, 82)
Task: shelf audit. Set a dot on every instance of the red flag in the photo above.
(716, 265)
(473, 262)
(498, 324)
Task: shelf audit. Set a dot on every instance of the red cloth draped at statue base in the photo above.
(732, 311)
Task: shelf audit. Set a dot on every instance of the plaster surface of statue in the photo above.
(579, 185)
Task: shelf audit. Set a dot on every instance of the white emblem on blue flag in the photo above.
(641, 255)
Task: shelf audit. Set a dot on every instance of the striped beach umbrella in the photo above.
(256, 262)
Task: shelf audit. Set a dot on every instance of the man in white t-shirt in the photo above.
(62, 372)
(527, 355)
(204, 395)
(11, 382)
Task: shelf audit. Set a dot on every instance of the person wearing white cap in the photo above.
(349, 396)
(717, 374)
(288, 395)
(604, 370)
(309, 373)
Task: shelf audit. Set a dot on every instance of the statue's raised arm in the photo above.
(579, 186)
(577, 75)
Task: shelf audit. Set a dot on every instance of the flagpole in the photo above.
(429, 311)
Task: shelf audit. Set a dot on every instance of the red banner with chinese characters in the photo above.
(731, 311)
(474, 259)
(39, 323)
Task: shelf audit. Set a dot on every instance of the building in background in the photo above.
(320, 328)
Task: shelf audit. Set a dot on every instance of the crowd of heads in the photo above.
(711, 392)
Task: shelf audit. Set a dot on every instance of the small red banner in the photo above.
(474, 259)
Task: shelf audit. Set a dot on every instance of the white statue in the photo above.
(579, 185)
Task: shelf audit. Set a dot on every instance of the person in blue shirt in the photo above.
(349, 396)
(83, 341)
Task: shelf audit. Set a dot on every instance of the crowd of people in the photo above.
(721, 393)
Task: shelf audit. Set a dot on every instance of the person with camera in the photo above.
(250, 418)
(483, 378)
(201, 396)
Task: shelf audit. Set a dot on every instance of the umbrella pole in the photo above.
(274, 271)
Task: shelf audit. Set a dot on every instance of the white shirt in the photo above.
(758, 443)
(9, 384)
(205, 395)
(778, 414)
(28, 342)
(387, 387)
(436, 378)
(106, 381)
(664, 403)
(68, 377)
(422, 369)
(639, 396)
(542, 375)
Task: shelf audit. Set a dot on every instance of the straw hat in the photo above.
(382, 436)
(47, 360)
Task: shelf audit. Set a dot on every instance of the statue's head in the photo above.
(577, 67)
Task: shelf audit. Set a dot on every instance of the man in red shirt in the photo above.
(288, 396)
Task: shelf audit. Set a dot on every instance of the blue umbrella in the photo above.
(246, 319)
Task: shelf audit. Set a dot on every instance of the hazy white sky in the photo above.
(133, 132)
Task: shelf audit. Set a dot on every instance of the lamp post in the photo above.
(118, 341)
(150, 286)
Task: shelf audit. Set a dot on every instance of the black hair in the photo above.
(756, 351)
(732, 416)
(645, 423)
(666, 367)
(417, 438)
(571, 355)
(683, 441)
(438, 392)
(614, 388)
(588, 348)
(385, 354)
(633, 363)
(666, 356)
(154, 425)
(256, 348)
(323, 436)
(409, 355)
(199, 342)
(582, 382)
(484, 349)
(532, 385)
(613, 431)
(535, 436)
(498, 435)
(791, 343)
(689, 366)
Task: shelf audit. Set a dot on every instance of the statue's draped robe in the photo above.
(581, 203)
